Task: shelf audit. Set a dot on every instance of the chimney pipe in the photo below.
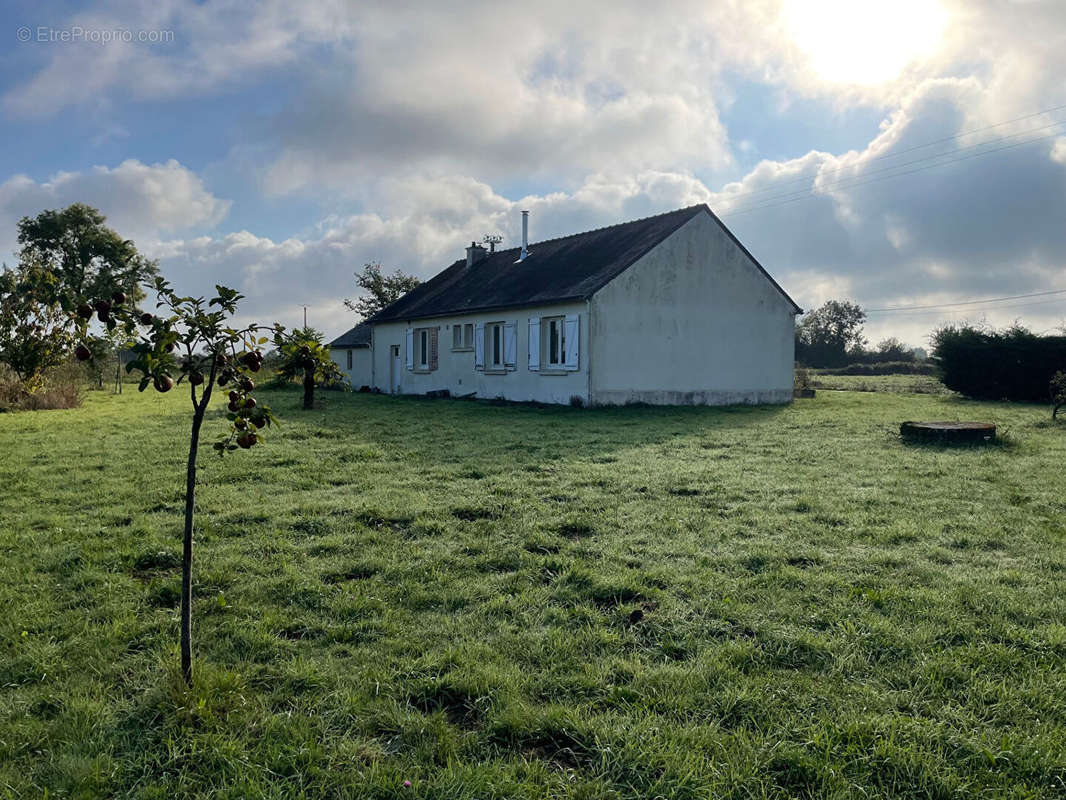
(525, 236)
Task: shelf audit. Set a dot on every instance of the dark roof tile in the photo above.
(556, 270)
(359, 336)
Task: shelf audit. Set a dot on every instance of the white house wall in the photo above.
(361, 373)
(455, 369)
(694, 321)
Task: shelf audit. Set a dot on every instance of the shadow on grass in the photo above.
(496, 432)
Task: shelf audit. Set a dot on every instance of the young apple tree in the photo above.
(192, 339)
(304, 354)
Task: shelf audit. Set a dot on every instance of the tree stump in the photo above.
(948, 432)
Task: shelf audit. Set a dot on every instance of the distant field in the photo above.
(513, 602)
(915, 384)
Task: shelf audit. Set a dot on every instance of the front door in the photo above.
(394, 370)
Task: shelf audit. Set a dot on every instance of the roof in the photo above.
(569, 268)
(359, 336)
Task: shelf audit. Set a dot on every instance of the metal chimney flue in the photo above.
(525, 236)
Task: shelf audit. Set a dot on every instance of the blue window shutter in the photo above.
(573, 341)
(479, 345)
(534, 344)
(510, 348)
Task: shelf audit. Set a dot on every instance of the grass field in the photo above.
(909, 384)
(514, 602)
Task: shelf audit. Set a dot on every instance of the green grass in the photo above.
(912, 384)
(448, 593)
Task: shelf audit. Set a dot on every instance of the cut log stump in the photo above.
(948, 432)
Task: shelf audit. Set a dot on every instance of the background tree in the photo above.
(35, 333)
(193, 340)
(1058, 388)
(1058, 392)
(381, 290)
(826, 335)
(892, 349)
(65, 256)
(303, 354)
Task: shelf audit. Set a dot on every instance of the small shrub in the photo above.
(577, 401)
(885, 368)
(62, 387)
(1058, 392)
(802, 378)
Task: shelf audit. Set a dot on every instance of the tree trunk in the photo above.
(186, 553)
(309, 388)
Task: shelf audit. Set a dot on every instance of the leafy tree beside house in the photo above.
(303, 354)
(380, 289)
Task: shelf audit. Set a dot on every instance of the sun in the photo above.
(864, 42)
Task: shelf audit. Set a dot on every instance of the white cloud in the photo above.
(142, 201)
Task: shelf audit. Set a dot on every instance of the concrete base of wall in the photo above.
(621, 397)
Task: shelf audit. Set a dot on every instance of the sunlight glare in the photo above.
(864, 41)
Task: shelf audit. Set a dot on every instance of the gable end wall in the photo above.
(693, 322)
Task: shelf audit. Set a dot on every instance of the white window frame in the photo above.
(422, 349)
(495, 345)
(462, 337)
(553, 360)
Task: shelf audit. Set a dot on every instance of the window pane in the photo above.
(496, 344)
(468, 335)
(424, 356)
(457, 336)
(553, 342)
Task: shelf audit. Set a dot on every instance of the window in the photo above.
(463, 336)
(554, 332)
(422, 349)
(496, 346)
(494, 335)
(349, 360)
(553, 344)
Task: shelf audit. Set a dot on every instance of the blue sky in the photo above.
(277, 146)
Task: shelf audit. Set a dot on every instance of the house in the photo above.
(351, 353)
(669, 310)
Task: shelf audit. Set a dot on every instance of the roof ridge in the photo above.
(604, 227)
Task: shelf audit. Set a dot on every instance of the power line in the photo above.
(964, 302)
(984, 309)
(845, 185)
(925, 145)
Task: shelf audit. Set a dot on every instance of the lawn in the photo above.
(516, 602)
(910, 384)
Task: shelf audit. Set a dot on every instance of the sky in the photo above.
(896, 153)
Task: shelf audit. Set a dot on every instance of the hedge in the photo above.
(885, 368)
(1014, 364)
